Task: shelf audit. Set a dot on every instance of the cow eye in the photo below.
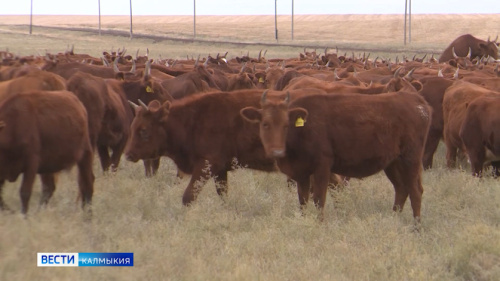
(265, 126)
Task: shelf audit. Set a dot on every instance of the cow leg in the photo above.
(3, 206)
(321, 179)
(155, 165)
(451, 155)
(290, 183)
(221, 183)
(117, 154)
(393, 173)
(430, 148)
(27, 184)
(476, 159)
(303, 190)
(496, 168)
(48, 187)
(198, 179)
(104, 157)
(86, 178)
(147, 168)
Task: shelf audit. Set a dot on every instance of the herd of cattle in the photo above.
(321, 118)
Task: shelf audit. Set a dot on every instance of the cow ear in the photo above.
(251, 114)
(298, 116)
(165, 110)
(417, 85)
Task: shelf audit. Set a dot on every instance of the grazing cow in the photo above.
(44, 133)
(478, 48)
(197, 129)
(480, 133)
(455, 102)
(320, 134)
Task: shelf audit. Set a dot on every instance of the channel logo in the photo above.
(85, 259)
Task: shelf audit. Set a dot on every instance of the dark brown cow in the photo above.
(480, 133)
(320, 134)
(455, 102)
(189, 83)
(109, 117)
(44, 133)
(478, 48)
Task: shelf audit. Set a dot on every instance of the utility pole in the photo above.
(406, 10)
(292, 19)
(31, 17)
(99, 3)
(194, 18)
(131, 20)
(409, 24)
(276, 18)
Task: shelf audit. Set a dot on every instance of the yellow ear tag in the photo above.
(149, 90)
(261, 80)
(299, 122)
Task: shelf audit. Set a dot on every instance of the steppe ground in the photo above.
(258, 233)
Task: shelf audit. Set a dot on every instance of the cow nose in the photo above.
(278, 152)
(129, 158)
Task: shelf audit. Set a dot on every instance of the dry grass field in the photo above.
(258, 232)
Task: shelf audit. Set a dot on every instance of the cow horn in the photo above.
(367, 57)
(217, 57)
(147, 52)
(335, 75)
(326, 50)
(423, 58)
(453, 51)
(115, 66)
(496, 38)
(396, 73)
(143, 105)
(133, 67)
(328, 63)
(265, 52)
(364, 56)
(263, 98)
(260, 54)
(397, 59)
(287, 99)
(440, 73)
(283, 65)
(104, 61)
(205, 64)
(91, 62)
(371, 83)
(469, 54)
(455, 76)
(228, 52)
(137, 54)
(196, 62)
(414, 57)
(336, 50)
(123, 52)
(135, 106)
(488, 39)
(147, 69)
(243, 68)
(375, 61)
(410, 73)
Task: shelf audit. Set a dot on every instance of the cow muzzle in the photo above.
(278, 153)
(131, 158)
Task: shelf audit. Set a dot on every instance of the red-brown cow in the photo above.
(480, 133)
(44, 133)
(455, 101)
(320, 134)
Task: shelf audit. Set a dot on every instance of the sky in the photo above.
(246, 7)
